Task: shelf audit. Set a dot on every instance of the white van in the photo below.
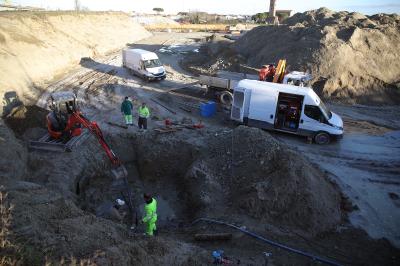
(143, 63)
(284, 107)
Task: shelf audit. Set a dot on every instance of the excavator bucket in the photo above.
(119, 172)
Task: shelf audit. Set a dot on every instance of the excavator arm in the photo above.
(119, 170)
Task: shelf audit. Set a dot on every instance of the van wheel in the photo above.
(322, 138)
(226, 98)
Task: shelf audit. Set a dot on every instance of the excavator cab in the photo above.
(63, 102)
(61, 123)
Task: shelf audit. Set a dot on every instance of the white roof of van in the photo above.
(145, 55)
(285, 88)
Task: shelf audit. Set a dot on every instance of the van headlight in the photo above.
(337, 127)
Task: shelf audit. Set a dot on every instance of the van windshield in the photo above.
(152, 63)
(325, 110)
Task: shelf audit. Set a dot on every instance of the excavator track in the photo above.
(46, 143)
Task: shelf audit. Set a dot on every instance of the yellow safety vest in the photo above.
(144, 112)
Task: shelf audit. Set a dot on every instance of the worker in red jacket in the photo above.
(267, 73)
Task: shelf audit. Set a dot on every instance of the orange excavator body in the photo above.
(67, 122)
(273, 74)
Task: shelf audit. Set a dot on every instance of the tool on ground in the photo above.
(220, 258)
(306, 254)
(66, 127)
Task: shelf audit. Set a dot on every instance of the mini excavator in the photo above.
(67, 128)
(281, 75)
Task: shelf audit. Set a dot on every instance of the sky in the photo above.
(220, 6)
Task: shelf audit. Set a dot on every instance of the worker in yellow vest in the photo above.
(150, 214)
(144, 113)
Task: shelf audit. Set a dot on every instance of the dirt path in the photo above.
(366, 164)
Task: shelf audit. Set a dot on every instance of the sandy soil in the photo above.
(36, 48)
(189, 172)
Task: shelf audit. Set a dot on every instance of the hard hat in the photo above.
(120, 202)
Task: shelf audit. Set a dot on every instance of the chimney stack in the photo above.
(272, 18)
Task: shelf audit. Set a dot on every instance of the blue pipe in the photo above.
(329, 262)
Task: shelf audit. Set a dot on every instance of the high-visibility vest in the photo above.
(150, 211)
(144, 112)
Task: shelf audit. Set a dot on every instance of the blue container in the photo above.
(208, 109)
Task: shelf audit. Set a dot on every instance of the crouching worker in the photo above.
(150, 211)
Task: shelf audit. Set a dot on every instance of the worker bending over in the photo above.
(144, 113)
(150, 218)
(126, 110)
(267, 73)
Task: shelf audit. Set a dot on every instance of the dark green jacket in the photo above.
(126, 107)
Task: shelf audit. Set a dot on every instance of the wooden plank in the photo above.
(165, 107)
(166, 130)
(117, 125)
(213, 236)
(185, 109)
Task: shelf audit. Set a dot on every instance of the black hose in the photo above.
(269, 241)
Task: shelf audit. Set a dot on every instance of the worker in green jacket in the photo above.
(144, 113)
(150, 211)
(126, 110)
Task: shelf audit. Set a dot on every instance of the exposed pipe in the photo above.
(306, 254)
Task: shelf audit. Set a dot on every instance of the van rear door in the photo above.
(239, 104)
(262, 108)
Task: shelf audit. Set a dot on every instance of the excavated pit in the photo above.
(235, 175)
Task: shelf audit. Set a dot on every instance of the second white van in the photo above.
(144, 64)
(284, 107)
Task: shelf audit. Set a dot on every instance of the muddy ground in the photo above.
(339, 201)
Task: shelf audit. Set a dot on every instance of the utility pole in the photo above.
(272, 18)
(77, 5)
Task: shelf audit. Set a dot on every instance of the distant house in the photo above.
(5, 7)
(284, 13)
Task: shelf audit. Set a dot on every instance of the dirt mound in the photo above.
(58, 42)
(26, 117)
(352, 57)
(243, 174)
(13, 155)
(217, 53)
(155, 20)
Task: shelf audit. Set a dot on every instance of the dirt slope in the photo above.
(352, 57)
(36, 47)
(227, 175)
